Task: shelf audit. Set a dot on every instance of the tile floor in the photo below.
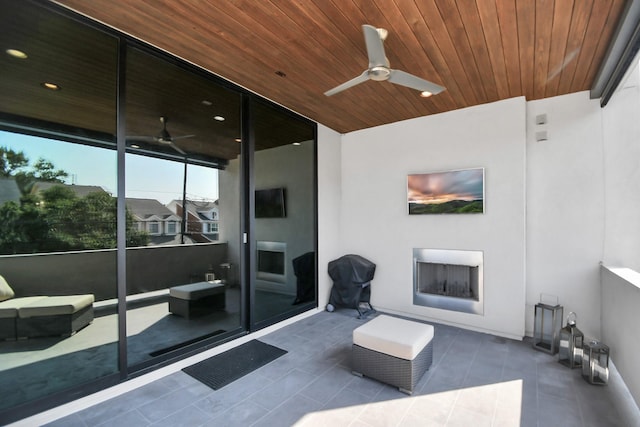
(476, 380)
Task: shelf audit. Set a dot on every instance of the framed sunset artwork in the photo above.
(449, 192)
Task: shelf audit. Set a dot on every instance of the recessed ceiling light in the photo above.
(207, 103)
(238, 140)
(135, 146)
(425, 94)
(16, 53)
(50, 86)
(218, 118)
(296, 143)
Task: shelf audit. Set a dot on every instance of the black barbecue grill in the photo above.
(352, 276)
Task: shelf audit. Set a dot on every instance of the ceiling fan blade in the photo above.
(346, 85)
(141, 138)
(409, 80)
(178, 149)
(375, 48)
(181, 137)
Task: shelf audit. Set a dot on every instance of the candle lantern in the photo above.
(547, 324)
(571, 341)
(210, 276)
(595, 362)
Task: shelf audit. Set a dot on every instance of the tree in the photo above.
(11, 161)
(57, 219)
(43, 171)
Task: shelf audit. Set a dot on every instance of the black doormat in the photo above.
(224, 368)
(185, 343)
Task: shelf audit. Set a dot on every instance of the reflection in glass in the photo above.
(284, 215)
(57, 205)
(180, 290)
(57, 257)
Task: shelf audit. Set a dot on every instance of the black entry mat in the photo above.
(185, 343)
(220, 370)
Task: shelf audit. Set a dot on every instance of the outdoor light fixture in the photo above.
(571, 341)
(595, 363)
(50, 86)
(16, 53)
(218, 118)
(546, 326)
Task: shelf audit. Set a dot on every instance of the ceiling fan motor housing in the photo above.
(379, 73)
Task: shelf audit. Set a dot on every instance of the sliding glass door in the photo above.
(284, 206)
(58, 174)
(148, 209)
(182, 185)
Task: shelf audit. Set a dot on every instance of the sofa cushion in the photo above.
(5, 290)
(55, 305)
(10, 307)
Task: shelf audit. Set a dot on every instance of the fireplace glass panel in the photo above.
(451, 280)
(448, 279)
(271, 262)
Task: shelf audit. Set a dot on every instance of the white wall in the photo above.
(620, 302)
(621, 127)
(329, 207)
(376, 225)
(565, 207)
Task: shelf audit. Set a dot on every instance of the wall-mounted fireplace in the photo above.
(448, 279)
(270, 261)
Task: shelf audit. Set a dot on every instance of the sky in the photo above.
(146, 177)
(441, 187)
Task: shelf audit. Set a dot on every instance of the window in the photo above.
(171, 227)
(154, 227)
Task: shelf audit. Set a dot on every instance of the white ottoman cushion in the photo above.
(401, 338)
(195, 291)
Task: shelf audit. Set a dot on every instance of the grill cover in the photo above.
(351, 275)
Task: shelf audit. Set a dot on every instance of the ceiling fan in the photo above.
(163, 138)
(379, 69)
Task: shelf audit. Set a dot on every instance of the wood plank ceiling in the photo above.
(293, 51)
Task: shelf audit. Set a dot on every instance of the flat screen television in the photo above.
(271, 203)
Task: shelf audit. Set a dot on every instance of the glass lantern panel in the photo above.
(547, 327)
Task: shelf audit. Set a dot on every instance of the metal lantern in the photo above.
(571, 341)
(546, 326)
(210, 276)
(595, 362)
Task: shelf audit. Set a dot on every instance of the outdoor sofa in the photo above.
(42, 316)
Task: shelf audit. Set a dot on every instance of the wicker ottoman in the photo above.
(394, 351)
(197, 299)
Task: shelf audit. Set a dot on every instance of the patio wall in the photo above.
(149, 269)
(620, 299)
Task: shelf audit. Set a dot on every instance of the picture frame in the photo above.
(448, 192)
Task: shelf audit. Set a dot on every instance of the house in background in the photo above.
(78, 190)
(202, 219)
(162, 225)
(9, 191)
